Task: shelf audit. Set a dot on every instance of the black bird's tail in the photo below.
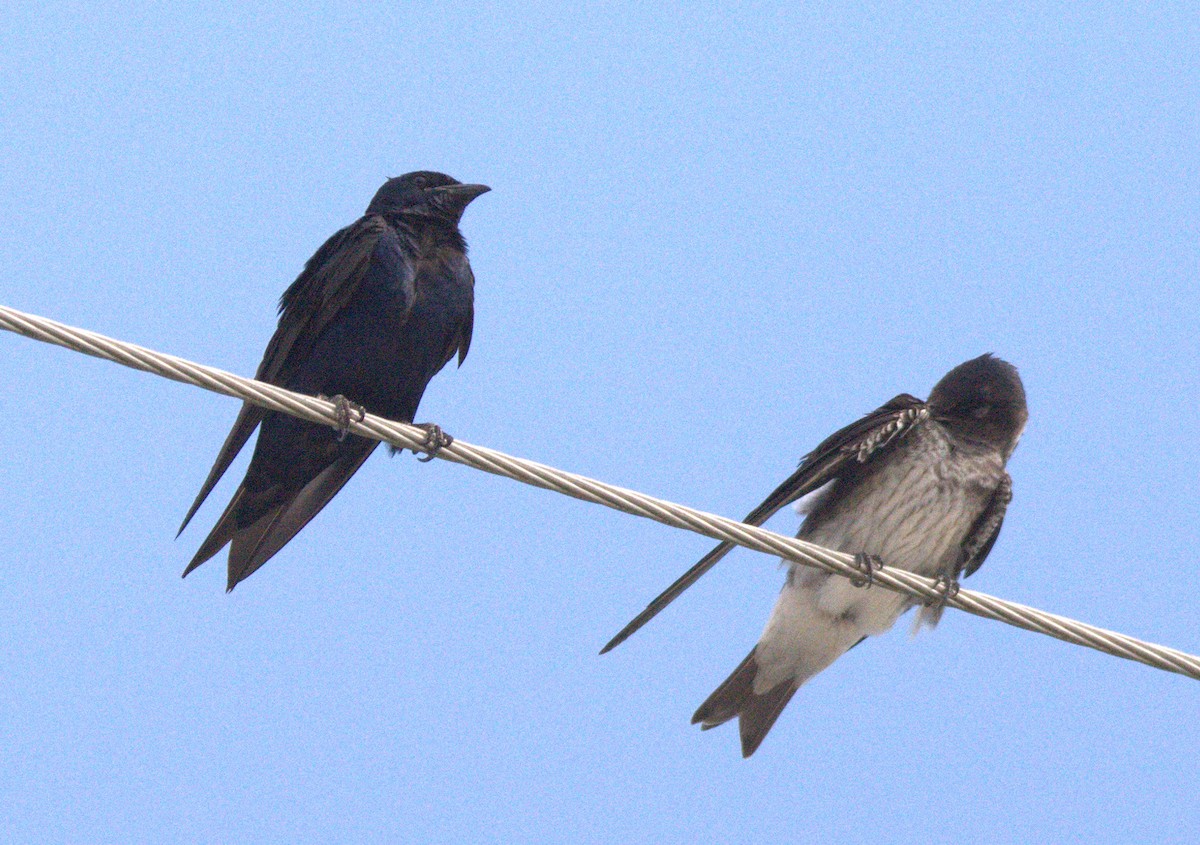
(255, 531)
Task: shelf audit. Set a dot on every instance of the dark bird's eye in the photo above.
(981, 412)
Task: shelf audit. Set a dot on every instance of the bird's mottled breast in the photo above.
(914, 506)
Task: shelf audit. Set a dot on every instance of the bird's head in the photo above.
(425, 193)
(982, 400)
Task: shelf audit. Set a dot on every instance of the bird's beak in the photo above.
(458, 196)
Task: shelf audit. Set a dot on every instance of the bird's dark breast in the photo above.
(389, 342)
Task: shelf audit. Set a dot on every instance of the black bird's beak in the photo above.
(456, 197)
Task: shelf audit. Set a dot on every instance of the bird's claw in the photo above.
(866, 564)
(946, 587)
(435, 441)
(343, 408)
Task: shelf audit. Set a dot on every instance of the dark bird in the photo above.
(919, 486)
(380, 308)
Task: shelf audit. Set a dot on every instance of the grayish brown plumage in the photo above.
(921, 486)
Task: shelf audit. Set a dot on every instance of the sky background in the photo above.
(713, 239)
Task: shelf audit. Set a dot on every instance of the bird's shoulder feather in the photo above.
(323, 289)
(862, 441)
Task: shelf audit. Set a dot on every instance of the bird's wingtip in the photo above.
(621, 637)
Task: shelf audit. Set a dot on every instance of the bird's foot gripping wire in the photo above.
(435, 441)
(866, 564)
(343, 408)
(946, 587)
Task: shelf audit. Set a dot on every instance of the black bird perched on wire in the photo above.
(380, 308)
(920, 486)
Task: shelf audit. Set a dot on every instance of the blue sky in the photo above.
(713, 238)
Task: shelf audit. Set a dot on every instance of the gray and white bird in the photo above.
(915, 485)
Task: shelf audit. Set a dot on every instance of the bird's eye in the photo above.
(981, 412)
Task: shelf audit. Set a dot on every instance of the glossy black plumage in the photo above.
(380, 308)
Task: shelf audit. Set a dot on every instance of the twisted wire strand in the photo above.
(408, 436)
